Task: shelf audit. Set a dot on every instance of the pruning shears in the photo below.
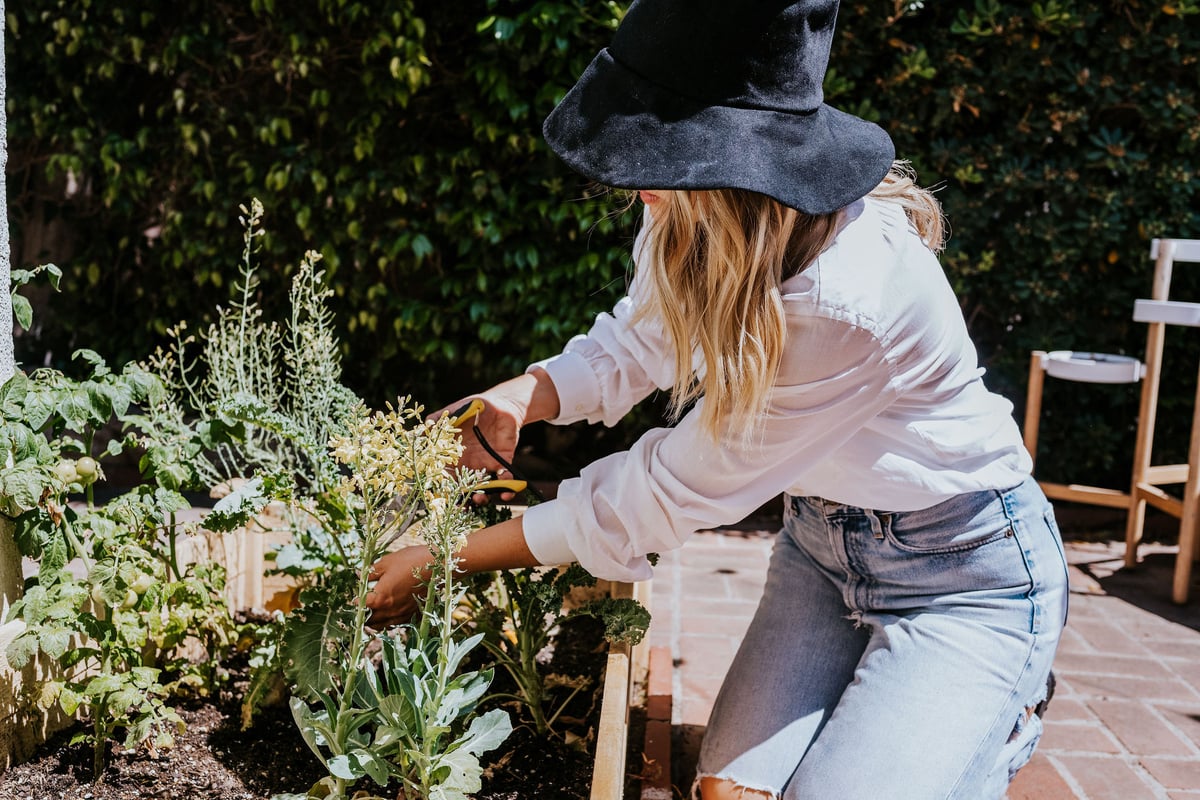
(469, 412)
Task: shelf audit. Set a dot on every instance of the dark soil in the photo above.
(211, 760)
(214, 760)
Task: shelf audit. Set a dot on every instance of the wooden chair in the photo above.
(1080, 367)
(1159, 312)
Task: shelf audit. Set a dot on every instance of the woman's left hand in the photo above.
(400, 579)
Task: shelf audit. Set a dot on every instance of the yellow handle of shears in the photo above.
(501, 486)
(470, 411)
(467, 412)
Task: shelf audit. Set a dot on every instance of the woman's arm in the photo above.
(400, 576)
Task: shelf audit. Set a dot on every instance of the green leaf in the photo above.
(313, 642)
(22, 310)
(55, 641)
(21, 488)
(308, 724)
(69, 700)
(374, 766)
(235, 509)
(486, 732)
(12, 395)
(99, 368)
(21, 649)
(345, 767)
(459, 649)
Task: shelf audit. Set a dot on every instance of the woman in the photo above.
(788, 296)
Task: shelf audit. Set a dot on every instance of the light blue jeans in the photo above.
(895, 655)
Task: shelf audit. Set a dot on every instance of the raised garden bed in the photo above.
(215, 760)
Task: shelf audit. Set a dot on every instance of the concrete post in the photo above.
(10, 560)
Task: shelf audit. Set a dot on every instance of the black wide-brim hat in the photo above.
(705, 94)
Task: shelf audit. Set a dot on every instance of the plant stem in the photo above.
(98, 742)
(76, 545)
(171, 536)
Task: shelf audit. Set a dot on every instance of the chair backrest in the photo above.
(1159, 309)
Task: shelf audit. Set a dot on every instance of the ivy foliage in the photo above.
(405, 143)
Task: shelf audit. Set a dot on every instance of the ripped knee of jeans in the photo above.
(1036, 707)
(723, 787)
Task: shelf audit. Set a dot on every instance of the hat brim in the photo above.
(623, 131)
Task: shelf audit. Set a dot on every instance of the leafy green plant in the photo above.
(110, 601)
(407, 715)
(518, 613)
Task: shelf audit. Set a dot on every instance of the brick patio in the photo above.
(1124, 723)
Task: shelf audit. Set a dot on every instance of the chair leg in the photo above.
(1191, 511)
(1033, 401)
(1135, 522)
(1181, 587)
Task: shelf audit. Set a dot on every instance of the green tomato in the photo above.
(142, 582)
(131, 598)
(87, 468)
(98, 596)
(65, 471)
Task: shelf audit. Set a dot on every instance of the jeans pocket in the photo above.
(947, 537)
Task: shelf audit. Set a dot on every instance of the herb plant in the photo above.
(406, 714)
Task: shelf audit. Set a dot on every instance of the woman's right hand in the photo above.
(507, 407)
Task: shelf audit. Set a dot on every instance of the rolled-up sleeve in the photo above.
(624, 357)
(675, 481)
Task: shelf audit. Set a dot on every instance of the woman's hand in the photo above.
(401, 576)
(507, 406)
(400, 579)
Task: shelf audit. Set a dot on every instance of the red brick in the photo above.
(1039, 780)
(1106, 637)
(702, 583)
(656, 755)
(1109, 686)
(1077, 738)
(1065, 709)
(714, 559)
(696, 696)
(1073, 642)
(1139, 728)
(1185, 718)
(1187, 649)
(707, 655)
(733, 627)
(1174, 773)
(724, 607)
(1107, 664)
(1107, 778)
(659, 685)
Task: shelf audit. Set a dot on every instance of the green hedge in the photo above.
(406, 146)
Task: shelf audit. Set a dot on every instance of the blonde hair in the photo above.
(716, 262)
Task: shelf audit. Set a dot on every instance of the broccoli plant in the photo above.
(518, 612)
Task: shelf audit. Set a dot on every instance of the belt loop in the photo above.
(877, 523)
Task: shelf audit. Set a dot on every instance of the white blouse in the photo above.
(879, 403)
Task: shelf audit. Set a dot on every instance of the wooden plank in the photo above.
(608, 774)
(1160, 499)
(1167, 473)
(1092, 495)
